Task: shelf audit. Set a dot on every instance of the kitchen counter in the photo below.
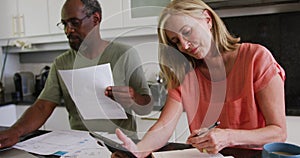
(236, 152)
(228, 151)
(10, 99)
(28, 100)
(7, 99)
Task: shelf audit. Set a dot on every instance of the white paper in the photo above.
(63, 143)
(86, 87)
(186, 153)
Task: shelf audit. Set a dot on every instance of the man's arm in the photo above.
(32, 119)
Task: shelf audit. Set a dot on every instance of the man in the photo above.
(80, 20)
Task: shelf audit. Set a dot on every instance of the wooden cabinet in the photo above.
(145, 122)
(36, 20)
(179, 135)
(54, 7)
(182, 130)
(8, 18)
(293, 129)
(142, 12)
(8, 115)
(23, 18)
(20, 109)
(111, 14)
(26, 18)
(58, 120)
(33, 16)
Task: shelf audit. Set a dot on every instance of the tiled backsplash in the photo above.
(33, 67)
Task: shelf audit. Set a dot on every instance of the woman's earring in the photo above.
(189, 44)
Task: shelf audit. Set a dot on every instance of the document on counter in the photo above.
(187, 153)
(64, 144)
(86, 87)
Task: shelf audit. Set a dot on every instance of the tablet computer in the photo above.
(6, 148)
(112, 146)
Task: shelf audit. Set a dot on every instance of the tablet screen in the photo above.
(112, 145)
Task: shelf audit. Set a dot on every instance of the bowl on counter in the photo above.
(281, 150)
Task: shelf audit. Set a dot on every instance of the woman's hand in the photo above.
(211, 142)
(129, 144)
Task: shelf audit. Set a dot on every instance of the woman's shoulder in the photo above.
(254, 50)
(252, 46)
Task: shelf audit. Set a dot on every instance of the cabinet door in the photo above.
(145, 122)
(54, 7)
(293, 129)
(8, 115)
(8, 14)
(20, 109)
(111, 14)
(33, 16)
(142, 12)
(58, 120)
(182, 130)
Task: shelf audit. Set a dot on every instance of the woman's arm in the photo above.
(159, 134)
(272, 104)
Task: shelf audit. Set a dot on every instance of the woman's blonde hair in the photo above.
(175, 69)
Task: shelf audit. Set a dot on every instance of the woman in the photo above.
(213, 77)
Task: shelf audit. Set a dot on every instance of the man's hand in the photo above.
(8, 138)
(141, 104)
(122, 94)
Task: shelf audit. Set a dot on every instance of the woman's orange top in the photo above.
(232, 101)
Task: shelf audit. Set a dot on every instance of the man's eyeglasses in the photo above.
(74, 23)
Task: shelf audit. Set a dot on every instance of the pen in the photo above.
(208, 129)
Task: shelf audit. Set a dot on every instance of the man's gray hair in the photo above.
(91, 7)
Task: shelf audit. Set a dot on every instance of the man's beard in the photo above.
(75, 45)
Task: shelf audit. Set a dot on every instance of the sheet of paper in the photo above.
(187, 153)
(63, 143)
(86, 87)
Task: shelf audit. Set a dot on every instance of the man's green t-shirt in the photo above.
(127, 71)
